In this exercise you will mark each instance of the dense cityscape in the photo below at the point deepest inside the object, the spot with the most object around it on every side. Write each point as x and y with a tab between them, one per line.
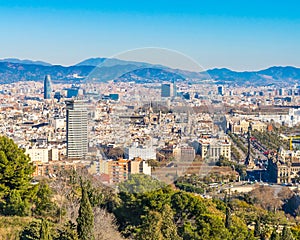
65	126
211	140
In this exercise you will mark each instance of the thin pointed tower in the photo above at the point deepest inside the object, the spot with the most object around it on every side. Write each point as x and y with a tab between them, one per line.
249	160
47	87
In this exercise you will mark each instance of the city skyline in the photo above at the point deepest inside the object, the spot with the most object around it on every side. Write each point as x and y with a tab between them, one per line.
215	34
153	119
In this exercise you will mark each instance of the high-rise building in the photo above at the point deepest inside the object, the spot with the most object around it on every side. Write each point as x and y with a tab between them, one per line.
221	90
174	89
77	137
281	92
47	87
57	96
167	90
72	92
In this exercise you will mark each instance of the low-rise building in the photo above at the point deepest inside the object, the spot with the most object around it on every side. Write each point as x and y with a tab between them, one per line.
119	170
138	165
241	126
143	152
285	167
211	149
38	154
184	154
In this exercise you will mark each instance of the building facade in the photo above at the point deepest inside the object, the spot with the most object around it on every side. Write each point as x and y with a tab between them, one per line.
77	137
143	152
212	149
38	154
285	167
118	171
184	154
167	90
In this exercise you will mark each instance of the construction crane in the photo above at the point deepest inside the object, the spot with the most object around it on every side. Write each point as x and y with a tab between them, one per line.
291	138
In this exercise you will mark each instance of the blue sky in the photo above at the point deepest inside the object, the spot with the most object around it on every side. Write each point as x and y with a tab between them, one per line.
240	35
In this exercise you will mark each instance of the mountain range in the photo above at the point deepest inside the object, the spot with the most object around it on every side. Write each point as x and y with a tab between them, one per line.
24	61
102	69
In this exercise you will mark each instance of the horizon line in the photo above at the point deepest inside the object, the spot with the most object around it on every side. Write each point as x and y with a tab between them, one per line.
35	62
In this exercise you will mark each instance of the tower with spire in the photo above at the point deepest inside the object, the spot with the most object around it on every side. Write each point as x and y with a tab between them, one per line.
249	160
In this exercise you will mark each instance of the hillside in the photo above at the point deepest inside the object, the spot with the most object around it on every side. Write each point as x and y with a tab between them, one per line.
102	69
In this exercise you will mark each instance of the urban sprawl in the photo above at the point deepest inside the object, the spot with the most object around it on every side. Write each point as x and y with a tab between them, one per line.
165	130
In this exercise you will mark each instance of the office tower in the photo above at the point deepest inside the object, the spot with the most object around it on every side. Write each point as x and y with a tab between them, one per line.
174	89
47	87
167	90
114	96
221	90
281	91
72	92
57	96
77	139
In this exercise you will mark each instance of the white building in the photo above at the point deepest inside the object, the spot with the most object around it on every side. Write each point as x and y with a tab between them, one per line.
291	119
145	153
38	154
58	123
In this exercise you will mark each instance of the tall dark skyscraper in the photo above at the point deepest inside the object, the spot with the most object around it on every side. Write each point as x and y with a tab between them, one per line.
167	90
221	90
77	138
47	87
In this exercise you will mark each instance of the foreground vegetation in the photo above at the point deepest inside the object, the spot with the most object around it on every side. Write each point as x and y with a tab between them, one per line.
77	206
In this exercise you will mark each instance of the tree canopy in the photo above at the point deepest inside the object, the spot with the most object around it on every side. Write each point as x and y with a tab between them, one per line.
16	171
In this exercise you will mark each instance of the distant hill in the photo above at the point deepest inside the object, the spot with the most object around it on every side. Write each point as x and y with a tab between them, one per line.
108	62
91	62
13	72
272	75
150	75
119	70
25	61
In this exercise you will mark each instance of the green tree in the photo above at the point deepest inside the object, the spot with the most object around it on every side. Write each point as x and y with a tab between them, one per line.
186	207
43	203
168	228
15	205
250	236
239	229
67	232
257	228
265	232
151	227
15	179
228	218
158	225
140	183
296	231
31	232
45	230
210	226
274	235
85	220
95	194
286	234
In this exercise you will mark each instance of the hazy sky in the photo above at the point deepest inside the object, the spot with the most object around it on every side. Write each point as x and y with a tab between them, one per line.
241	34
